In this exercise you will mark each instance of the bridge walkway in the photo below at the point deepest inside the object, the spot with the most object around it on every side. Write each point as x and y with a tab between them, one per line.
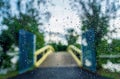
60	65
59	59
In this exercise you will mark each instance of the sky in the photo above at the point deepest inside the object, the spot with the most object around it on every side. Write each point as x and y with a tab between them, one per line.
64	17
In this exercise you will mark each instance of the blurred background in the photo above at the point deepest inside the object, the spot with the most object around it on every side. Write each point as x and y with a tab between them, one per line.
61	23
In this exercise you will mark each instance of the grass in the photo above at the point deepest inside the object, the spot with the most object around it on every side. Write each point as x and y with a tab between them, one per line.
9	74
106	73
102	72
13	73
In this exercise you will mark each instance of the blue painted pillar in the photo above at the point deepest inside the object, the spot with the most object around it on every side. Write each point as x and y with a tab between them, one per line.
27	42
88	50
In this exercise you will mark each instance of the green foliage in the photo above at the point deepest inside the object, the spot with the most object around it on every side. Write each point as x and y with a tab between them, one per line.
27	20
108	74
11	35
100	27
39	40
112	48
108	49
15	24
71	36
93	15
115	46
6	40
77	45
103	48
59	46
6	61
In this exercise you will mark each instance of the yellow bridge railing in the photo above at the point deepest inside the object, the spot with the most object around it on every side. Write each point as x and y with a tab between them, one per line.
76	54
41	54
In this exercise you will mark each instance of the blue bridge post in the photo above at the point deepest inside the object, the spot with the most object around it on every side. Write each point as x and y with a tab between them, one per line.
26	50
88	50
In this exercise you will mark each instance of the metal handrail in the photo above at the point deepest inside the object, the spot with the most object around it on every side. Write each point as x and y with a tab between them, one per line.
76	54
41	54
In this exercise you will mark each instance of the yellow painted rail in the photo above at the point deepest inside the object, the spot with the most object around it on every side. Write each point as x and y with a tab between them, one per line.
76	54
41	54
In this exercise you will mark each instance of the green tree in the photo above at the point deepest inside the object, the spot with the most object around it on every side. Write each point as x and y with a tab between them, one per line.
28	19
11	36
103	47
71	36
5	44
96	14
115	46
59	46
108	49
24	22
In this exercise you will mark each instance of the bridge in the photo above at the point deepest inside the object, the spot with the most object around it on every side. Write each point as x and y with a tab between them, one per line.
49	64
